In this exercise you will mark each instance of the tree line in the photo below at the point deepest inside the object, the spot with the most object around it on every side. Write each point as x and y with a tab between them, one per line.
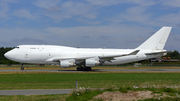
3	60
173	54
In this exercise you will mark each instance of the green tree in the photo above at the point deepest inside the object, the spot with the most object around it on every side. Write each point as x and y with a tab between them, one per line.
4	60
173	54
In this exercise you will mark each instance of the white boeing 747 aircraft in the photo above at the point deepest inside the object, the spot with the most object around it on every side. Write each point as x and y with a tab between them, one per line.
85	58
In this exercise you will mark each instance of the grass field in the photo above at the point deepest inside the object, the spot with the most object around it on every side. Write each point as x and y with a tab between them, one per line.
54	97
93	80
38	80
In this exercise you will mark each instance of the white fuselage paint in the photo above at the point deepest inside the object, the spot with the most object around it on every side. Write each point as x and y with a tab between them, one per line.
45	54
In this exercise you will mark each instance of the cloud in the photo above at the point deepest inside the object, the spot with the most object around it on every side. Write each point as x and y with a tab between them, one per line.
47	4
114	36
88	21
95	30
178	25
28	41
172	3
170	19
5	8
104	2
55	9
144	16
19	41
78	9
104	37
59	11
84	10
116	2
85	37
20	33
16	36
23	13
136	14
5	44
172	42
143	2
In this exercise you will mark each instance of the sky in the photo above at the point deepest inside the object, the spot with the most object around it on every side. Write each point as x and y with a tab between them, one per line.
122	24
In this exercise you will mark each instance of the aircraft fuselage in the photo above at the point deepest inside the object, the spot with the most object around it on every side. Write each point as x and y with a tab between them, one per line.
50	54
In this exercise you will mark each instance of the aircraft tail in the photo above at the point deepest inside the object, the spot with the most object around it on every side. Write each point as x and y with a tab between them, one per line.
158	40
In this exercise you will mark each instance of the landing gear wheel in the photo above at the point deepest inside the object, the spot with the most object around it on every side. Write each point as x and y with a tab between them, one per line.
80	69
83	68
22	68
88	69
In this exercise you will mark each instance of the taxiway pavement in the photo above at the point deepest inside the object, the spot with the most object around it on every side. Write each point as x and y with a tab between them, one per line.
35	92
98	70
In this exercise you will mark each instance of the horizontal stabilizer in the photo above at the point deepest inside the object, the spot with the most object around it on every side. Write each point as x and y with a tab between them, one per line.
154	53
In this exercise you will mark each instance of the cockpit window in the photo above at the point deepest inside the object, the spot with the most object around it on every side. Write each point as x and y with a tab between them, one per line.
17	47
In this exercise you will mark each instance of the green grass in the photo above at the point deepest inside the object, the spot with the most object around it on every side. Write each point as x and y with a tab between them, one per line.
54	97
93	80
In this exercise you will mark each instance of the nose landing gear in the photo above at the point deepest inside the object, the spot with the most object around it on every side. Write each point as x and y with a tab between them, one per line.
22	68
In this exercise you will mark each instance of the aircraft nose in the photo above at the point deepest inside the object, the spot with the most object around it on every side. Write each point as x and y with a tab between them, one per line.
6	55
9	55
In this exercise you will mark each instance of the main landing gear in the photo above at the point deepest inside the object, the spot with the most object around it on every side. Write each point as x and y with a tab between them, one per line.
22	68
81	68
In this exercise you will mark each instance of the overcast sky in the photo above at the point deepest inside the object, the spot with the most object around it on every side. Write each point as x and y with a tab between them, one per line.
87	23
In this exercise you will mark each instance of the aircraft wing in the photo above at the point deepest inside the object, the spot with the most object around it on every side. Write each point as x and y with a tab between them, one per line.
101	58
111	57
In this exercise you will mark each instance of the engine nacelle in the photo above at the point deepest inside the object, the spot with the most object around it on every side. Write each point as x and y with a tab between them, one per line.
91	62
67	63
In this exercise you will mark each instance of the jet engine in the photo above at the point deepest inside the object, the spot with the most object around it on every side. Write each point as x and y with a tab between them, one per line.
67	63
91	62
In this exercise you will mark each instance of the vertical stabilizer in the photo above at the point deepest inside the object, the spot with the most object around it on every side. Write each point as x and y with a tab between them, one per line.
158	40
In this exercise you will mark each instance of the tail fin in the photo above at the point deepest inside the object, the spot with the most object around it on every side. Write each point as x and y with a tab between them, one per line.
158	40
